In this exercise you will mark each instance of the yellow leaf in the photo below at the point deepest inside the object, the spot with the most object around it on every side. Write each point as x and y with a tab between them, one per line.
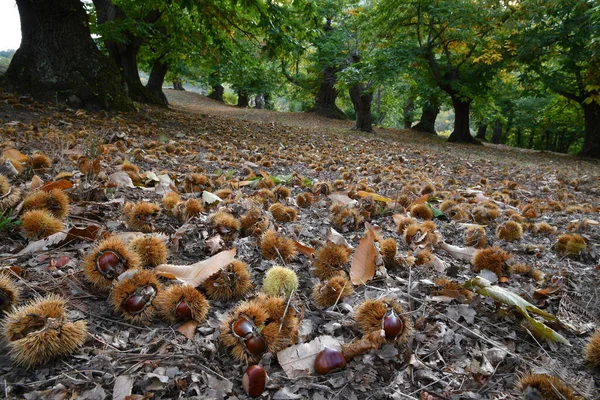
374	196
14	154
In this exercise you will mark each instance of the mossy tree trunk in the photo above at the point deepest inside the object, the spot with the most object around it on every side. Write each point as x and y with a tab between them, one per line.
58	59
362	99
217	93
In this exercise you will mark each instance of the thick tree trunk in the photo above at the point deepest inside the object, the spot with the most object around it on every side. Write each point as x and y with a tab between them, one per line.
243	99
124	54
178	84
156	80
591	141
268	102
58	59
326	96
481	132
461	132
428	116
407	112
217	93
519	136
259	101
362	100
497	134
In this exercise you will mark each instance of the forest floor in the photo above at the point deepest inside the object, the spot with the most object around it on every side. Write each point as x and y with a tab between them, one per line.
462	345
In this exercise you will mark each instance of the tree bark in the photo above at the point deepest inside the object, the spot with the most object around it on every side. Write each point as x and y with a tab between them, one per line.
497	134
58	60
481	132
243	99
591	141
259	101
124	54
178	84
362	100
156	80
407	112
428	116
461	132
326	96
217	93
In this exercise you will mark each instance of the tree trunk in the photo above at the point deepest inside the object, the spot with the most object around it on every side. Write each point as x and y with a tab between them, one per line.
531	137
481	132
461	132
497	134
268	102
178	84
326	96
156	80
259	101
362	100
591	141
217	93
243	99
58	59
407	112
124	54
519	136
428	116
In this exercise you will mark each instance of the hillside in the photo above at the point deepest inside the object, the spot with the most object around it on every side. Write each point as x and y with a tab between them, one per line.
422	218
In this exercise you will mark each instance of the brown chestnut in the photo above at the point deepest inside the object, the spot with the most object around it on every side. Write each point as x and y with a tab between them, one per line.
254	380
138	300
183	310
256	345
392	325
243	327
329	360
108	262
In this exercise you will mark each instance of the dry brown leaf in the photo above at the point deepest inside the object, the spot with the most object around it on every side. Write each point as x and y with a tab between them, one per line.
398	218
14	154
89	233
421	199
340	198
368	342
214	244
336	238
460	253
541	294
121	179
304	249
122	387
195	274
36	183
62	184
263	174
374	196
362	268
237	185
299	360
188	328
42	244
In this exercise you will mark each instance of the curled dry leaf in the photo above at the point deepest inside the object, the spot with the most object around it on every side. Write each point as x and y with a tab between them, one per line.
362	268
374	196
336	238
121	179
122	387
14	154
188	328
62	184
460	253
195	274
36	183
43	244
368	342
341	198
299	360
304	249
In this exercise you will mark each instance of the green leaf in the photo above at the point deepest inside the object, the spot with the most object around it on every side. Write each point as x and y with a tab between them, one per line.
307	182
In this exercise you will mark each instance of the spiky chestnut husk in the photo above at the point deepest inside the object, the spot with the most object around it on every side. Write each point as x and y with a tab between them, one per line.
403	223
127	166
543	229
182	303
491	258
170	200
38	332
418	234
388	249
9	195
230	283
109	259
458	213
280	281
266	183
282	192
191	208
475	237
344	219
447	204
248	316
541	386
254	223
226	225
56	202
141	216
530	211
9	294
370	316
323	188
134	297
336	289
273	245
38	224
196	183
330	260
510	231
423	256
422	211
39	161
282	213
485	212
591	351
451	288
224	194
570	245
279	330
150	250
304	200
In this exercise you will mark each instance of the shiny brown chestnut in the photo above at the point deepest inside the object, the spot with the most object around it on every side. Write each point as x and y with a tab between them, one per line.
392	325
254	380
138	300
243	327
183	310
329	360
256	345
108	263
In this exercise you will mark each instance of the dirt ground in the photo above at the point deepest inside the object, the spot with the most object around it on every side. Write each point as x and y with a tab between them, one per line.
462	345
